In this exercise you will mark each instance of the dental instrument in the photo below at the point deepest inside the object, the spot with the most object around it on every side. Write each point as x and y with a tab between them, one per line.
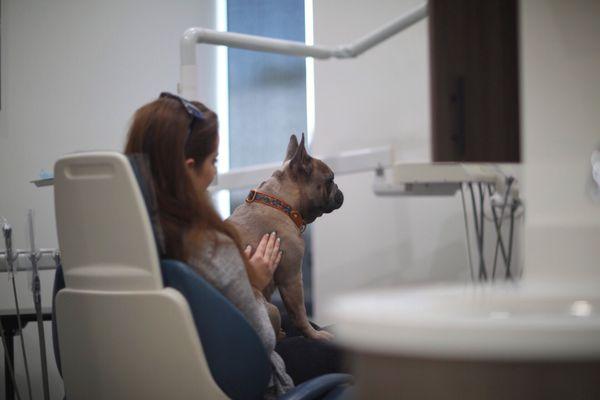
37	301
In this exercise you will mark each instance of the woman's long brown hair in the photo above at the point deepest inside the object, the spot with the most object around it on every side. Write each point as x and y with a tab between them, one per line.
158	131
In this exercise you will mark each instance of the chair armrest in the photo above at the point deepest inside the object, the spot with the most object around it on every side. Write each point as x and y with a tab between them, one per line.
317	387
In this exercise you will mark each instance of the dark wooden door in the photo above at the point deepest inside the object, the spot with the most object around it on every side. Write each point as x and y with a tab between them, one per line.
475	82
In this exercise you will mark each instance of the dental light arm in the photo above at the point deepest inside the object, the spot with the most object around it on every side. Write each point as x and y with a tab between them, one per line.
192	36
363	160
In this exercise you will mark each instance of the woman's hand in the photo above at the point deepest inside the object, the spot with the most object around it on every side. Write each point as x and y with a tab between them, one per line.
264	261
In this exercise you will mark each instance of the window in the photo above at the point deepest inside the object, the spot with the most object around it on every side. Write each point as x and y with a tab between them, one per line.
267	94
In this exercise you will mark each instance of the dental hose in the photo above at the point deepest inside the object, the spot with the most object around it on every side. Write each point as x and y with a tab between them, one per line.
478	233
9	365
468	241
7	232
498	226
513	209
37	301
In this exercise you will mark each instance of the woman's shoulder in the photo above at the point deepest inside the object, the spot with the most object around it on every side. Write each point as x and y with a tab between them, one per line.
214	248
221	245
218	260
221	238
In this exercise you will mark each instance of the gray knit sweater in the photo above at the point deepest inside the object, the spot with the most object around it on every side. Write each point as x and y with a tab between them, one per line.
224	268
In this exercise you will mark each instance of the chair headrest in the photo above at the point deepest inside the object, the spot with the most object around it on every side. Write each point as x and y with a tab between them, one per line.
104	232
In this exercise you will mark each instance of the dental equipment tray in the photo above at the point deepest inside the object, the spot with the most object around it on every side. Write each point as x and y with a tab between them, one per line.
432	179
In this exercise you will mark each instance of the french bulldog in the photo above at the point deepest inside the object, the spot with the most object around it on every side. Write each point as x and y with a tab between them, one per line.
295	195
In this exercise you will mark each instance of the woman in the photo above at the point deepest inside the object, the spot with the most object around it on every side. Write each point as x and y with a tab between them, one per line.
180	140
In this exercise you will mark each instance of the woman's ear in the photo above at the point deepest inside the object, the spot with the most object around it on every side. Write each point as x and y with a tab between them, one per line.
190	163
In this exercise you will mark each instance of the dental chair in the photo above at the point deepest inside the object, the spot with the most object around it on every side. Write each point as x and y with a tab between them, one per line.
130	326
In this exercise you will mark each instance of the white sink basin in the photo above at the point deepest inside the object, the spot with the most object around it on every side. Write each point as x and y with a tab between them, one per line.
514	322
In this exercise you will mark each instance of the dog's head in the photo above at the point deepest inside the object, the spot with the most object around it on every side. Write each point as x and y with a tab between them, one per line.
314	180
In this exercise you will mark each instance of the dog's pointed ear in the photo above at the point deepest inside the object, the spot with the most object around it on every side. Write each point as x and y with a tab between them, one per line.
301	162
292	147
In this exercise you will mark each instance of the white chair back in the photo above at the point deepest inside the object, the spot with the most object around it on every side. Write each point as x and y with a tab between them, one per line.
122	335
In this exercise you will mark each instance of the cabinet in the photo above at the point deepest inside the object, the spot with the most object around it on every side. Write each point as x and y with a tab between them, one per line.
474	80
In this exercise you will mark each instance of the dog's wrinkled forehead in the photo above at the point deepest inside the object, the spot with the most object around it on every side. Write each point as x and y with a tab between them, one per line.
322	168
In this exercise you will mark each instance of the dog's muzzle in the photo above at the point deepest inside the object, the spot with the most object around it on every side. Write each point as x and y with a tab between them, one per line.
339	199
335	201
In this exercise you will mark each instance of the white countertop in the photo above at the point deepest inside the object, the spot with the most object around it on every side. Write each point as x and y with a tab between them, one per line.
524	321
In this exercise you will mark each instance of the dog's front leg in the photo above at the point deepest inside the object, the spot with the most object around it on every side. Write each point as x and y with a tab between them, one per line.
292	293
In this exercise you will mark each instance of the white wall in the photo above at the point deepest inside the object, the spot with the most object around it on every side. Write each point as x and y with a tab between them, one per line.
73	73
382	97
561	98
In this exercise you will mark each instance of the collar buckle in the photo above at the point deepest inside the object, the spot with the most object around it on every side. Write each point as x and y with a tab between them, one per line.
251	196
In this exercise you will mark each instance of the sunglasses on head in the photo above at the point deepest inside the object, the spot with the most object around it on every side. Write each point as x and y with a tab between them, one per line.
191	110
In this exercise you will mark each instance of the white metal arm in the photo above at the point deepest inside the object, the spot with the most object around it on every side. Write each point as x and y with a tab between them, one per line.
193	36
348	162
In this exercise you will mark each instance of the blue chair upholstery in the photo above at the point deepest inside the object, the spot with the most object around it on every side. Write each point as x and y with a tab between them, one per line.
236	356
59	283
324	387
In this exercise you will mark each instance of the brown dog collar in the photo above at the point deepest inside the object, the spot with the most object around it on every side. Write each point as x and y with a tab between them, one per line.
277	203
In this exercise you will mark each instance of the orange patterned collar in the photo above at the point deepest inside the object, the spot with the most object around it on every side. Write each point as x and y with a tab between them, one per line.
277	203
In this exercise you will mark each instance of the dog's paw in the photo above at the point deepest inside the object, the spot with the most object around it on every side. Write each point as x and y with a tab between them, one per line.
319	335
281	335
